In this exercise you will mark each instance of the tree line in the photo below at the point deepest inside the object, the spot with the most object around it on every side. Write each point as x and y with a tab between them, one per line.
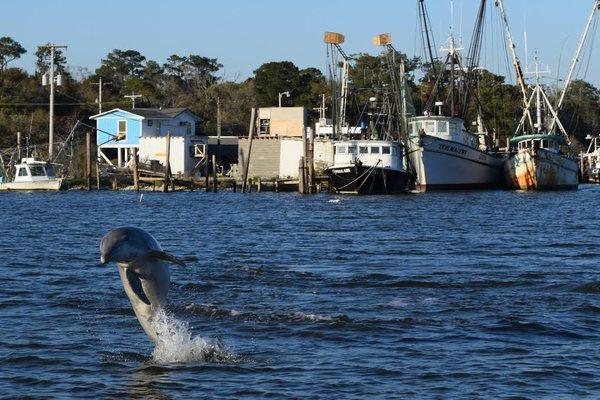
196	82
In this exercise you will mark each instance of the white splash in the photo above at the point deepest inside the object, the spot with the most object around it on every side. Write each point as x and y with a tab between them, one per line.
334	201
176	344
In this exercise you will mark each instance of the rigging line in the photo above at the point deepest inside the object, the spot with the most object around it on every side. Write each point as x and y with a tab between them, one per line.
590	47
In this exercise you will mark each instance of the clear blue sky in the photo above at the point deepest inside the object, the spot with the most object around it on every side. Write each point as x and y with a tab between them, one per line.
243	34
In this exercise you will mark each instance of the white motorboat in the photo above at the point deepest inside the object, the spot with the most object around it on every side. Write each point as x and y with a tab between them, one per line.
32	174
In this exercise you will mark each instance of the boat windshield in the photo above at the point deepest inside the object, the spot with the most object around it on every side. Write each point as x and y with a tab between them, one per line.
50	171
37	170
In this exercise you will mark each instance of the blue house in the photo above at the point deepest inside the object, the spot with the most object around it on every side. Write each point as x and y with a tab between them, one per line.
120	132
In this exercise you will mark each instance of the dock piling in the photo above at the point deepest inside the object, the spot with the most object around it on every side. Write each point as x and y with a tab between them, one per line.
250	137
136	174
88	160
301	176
214	173
167	163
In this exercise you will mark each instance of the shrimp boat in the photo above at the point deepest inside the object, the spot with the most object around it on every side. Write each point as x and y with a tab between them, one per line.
370	160
541	159
445	155
539	163
31	174
368	167
443	152
591	160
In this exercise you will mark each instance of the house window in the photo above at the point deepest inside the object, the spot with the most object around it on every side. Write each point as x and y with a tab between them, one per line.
374	149
363	149
351	149
150	122
341	149
385	150
122	129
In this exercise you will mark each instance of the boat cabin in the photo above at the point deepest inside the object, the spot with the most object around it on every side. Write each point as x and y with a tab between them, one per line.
369	152
30	170
538	141
447	128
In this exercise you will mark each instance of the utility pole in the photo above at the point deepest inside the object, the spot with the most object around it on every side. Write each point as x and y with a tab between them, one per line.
133	96
100	84
218	131
51	79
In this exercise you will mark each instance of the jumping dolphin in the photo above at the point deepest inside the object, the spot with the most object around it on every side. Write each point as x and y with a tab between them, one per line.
143	270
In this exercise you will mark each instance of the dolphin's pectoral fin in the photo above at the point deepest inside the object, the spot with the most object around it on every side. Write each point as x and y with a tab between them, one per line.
165	256
136	285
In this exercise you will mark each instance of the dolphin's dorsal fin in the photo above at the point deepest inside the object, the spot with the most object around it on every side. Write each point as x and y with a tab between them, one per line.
136	285
165	256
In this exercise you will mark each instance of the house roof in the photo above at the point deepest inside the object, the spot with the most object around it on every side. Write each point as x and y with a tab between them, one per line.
150	113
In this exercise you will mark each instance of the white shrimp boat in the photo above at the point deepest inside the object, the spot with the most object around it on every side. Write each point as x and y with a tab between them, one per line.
445	155
32	174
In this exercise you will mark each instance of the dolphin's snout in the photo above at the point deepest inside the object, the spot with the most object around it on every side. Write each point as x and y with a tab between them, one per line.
102	260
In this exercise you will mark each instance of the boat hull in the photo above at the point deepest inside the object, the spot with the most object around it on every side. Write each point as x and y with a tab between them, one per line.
445	165
364	179
540	169
51	184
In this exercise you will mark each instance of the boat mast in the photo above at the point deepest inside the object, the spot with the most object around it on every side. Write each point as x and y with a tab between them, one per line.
426	36
452	64
575	60
516	62
333	41
472	60
398	83
538	96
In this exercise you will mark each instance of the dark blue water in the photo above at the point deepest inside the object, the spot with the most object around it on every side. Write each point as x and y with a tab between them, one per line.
440	295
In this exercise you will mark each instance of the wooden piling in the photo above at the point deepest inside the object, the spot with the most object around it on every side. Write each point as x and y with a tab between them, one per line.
301	181
97	174
259	184
310	161
206	173
136	173
234	186
214	173
581	165
88	160
250	137
167	163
